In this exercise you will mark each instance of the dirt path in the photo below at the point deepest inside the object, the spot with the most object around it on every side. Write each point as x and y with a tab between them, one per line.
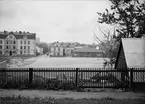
69	94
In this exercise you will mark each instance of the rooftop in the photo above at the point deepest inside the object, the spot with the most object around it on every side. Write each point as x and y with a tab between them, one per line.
134	50
87	50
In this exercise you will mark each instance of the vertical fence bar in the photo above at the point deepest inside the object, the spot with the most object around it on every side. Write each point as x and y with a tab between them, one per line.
77	69
131	79
30	76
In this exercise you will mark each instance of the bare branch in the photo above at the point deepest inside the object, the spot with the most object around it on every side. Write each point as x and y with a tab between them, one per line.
102	32
97	37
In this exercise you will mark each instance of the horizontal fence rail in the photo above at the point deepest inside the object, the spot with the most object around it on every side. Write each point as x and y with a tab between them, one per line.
63	78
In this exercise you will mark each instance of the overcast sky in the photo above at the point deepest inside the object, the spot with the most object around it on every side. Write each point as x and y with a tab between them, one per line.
64	21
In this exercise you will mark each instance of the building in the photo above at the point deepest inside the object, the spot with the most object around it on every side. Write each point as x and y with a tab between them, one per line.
131	53
69	50
57	50
87	52
17	44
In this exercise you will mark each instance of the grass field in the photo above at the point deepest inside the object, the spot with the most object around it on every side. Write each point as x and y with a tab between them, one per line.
45	62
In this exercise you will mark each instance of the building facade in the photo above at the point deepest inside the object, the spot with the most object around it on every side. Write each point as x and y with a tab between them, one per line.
56	50
87	52
17	44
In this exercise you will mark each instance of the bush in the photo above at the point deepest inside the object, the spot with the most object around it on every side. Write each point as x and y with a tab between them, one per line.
21	84
38	83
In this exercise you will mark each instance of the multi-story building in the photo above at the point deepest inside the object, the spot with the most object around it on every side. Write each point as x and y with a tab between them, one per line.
57	50
17	44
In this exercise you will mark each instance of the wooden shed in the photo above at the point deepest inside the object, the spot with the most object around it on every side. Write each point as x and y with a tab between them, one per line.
131	53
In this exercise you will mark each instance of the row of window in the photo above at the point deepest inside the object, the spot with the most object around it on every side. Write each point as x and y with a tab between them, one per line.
10	47
24	52
10	42
25	42
21	52
14	47
57	49
21	47
57	54
14	42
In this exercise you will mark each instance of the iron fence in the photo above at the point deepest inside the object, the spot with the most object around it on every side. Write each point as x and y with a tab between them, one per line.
54	78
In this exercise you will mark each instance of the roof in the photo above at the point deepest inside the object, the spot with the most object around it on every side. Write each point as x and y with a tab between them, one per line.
17	35
87	50
134	51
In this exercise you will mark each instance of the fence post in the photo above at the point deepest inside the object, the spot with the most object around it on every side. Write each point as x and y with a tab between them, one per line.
30	76
77	69
131	79
3	75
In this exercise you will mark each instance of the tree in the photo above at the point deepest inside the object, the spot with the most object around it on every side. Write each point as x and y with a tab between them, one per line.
44	46
109	45
128	16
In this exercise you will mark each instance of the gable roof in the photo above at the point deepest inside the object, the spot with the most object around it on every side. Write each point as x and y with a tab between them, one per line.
87	50
17	35
134	51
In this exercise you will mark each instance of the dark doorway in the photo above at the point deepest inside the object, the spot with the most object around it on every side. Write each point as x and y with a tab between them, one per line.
10	53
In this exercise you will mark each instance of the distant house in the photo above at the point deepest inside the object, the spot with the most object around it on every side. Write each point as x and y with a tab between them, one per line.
131	53
69	50
57	50
87	52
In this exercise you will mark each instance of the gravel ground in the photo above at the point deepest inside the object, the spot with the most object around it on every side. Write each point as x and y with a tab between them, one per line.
70	94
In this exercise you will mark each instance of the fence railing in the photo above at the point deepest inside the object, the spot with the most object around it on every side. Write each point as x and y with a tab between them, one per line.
72	77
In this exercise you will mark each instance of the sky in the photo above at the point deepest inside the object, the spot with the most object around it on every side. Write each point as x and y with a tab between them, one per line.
64	21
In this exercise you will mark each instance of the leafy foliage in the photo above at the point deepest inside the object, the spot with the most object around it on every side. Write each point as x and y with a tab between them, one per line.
44	46
128	16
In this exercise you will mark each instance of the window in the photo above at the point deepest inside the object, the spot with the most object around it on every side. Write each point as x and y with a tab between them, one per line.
24	47
21	52
1	52
7	42
1	41
14	42
28	52
56	49
24	42
28	42
0	46
21	42
14	47
28	47
11	41
21	47
7	47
